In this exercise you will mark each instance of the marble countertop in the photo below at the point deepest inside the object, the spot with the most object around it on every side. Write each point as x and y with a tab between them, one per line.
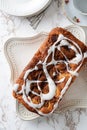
11	26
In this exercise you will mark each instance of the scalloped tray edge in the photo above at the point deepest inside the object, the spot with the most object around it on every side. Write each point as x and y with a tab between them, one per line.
70	104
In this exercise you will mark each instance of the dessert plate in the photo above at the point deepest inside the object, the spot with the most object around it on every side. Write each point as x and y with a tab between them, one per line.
23	7
73	14
19	51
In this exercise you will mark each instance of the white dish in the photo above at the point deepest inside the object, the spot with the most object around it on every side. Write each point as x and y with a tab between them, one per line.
71	12
23	7
76	96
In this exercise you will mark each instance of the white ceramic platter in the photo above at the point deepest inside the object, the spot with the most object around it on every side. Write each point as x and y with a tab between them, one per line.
23	7
71	12
19	51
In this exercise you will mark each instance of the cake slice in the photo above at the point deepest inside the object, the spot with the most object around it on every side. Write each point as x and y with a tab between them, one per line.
50	72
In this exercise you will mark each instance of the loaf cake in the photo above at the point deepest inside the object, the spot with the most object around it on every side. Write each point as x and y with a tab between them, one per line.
50	72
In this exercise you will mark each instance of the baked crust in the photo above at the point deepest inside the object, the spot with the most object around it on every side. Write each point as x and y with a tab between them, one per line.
57	72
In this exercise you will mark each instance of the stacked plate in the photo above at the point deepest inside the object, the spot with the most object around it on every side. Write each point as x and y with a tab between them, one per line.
23	7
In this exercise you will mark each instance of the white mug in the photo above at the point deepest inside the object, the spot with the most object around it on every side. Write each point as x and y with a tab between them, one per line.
81	6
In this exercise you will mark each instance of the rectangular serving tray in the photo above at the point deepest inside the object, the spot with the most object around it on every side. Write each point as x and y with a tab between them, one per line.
19	51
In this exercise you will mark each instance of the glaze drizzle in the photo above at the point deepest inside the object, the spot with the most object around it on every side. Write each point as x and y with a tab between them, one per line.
78	60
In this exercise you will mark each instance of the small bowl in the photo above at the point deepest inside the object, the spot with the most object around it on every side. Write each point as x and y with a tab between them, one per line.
81	6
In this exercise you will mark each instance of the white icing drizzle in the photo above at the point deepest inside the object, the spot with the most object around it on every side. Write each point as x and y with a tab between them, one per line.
54	74
15	87
66	87
51	84
29	71
78	59
60	81
85	54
